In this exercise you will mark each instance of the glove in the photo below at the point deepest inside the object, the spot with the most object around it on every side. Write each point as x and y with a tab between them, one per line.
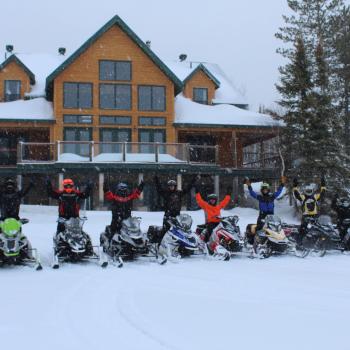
283	180
247	181
140	186
323	181
229	190
295	182
105	187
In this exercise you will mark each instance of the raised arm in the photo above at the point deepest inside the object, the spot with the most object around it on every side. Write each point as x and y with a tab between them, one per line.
296	191
202	203
50	191
24	192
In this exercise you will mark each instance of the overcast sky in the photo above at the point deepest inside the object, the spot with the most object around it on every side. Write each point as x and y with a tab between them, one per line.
237	34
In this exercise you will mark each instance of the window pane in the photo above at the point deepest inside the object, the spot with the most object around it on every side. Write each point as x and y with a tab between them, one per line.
123	135
115	120
158	121
107	96
85	119
145	98
145	136
107	70
69	135
123	97
123	120
106	136
12	90
123	71
70	118
145	121
83	134
158	98
200	95
70	95
85	96
159	136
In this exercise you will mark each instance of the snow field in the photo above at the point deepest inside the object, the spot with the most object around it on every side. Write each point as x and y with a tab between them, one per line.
278	303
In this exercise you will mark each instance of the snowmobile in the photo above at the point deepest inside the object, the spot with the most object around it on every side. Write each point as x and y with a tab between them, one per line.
270	240
179	241
225	240
129	243
321	235
74	245
15	249
344	231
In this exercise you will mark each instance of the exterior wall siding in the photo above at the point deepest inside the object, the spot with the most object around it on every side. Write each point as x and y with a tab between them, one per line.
113	45
200	80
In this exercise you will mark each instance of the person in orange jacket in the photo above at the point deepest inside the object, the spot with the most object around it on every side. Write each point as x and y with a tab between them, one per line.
212	210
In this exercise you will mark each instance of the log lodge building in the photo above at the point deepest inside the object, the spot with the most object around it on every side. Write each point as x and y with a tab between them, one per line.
114	110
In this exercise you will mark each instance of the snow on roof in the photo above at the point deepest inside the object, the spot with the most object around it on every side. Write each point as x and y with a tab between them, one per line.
37	108
42	65
189	112
226	93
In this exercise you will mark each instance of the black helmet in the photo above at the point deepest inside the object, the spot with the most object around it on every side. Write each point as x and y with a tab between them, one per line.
265	186
212	197
172	183
122	189
10	185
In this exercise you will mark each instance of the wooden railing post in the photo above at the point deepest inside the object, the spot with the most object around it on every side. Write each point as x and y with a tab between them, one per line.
20	152
91	150
124	145
157	152
58	150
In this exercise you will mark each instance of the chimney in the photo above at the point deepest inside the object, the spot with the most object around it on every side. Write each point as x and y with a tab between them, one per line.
9	48
62	51
148	43
182	57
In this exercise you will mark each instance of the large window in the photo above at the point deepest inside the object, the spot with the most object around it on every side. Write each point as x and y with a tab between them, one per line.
114	135
77	119
200	95
115	70
77	134
150	136
115	96
114	120
77	95
151	98
152	121
12	90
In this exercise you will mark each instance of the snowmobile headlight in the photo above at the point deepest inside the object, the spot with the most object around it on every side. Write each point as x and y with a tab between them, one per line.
309	226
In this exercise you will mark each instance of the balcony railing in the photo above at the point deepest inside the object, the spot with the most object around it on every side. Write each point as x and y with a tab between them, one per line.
115	152
260	160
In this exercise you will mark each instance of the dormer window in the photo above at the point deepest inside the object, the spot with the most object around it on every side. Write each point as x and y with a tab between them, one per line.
200	95
12	90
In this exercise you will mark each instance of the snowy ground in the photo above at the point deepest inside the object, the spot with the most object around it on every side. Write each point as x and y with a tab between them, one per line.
278	303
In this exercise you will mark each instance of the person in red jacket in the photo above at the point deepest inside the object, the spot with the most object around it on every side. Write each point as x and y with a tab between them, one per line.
68	199
212	210
121	202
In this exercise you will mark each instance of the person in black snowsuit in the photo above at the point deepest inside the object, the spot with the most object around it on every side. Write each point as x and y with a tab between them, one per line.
121	201
10	199
341	205
172	199
68	199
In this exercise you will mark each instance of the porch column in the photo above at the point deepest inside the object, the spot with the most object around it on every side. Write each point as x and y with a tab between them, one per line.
234	150
217	185
141	179
60	180
179	182
19	182
101	180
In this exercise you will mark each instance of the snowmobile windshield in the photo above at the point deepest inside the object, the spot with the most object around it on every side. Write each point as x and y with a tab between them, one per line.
274	223
10	227
185	221
74	225
324	220
132	224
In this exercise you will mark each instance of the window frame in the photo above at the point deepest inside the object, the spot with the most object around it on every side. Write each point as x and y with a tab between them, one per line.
78	95
78	118
152	108
207	93
114	99
6	99
152	131
152	119
115	63
114	117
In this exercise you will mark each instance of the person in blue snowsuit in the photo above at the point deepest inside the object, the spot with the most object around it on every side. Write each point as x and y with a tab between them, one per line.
266	200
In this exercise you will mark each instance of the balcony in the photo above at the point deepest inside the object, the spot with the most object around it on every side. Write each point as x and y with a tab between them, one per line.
115	152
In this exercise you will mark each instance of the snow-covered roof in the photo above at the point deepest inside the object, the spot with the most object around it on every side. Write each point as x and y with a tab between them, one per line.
189	112
35	109
41	65
226	93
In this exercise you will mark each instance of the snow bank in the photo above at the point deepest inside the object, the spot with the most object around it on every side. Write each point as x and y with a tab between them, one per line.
38	108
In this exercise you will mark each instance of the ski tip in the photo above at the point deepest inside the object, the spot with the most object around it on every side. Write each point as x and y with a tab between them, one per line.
39	267
55	267
104	264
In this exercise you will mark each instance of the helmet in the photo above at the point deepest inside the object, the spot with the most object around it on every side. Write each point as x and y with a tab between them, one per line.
212	198
68	185
10	185
172	183
122	189
308	190
265	186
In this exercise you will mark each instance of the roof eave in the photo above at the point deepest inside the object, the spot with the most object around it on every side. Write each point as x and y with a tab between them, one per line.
14	58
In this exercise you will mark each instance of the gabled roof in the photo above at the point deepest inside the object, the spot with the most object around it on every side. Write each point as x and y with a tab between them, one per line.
15	59
206	71
116	20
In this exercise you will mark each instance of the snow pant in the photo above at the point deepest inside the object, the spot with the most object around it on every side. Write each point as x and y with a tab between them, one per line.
115	226
260	223
209	230
303	228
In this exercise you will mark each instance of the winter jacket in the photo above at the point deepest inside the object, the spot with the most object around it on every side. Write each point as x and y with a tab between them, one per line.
172	200
266	201
10	202
68	202
212	211
342	213
121	206
309	204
